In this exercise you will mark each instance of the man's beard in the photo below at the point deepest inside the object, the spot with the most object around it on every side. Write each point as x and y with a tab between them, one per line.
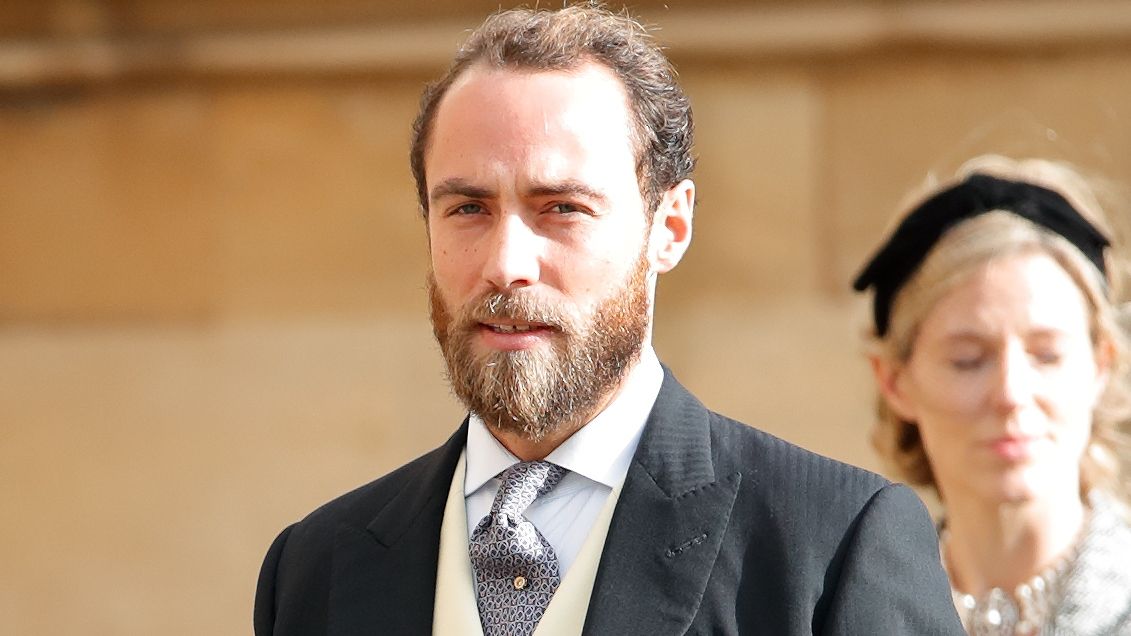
542	390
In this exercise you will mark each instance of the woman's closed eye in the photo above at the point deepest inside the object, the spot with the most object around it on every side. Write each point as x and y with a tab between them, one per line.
1047	357
967	363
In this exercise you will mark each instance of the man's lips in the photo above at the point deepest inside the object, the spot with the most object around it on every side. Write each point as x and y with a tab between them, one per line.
518	327
514	336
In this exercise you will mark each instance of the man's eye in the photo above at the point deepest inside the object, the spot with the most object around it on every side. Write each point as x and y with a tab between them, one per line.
566	208
468	208
1047	357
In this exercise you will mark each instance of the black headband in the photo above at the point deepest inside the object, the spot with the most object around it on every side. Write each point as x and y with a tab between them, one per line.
898	259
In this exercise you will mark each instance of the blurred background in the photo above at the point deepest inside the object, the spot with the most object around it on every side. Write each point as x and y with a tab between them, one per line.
212	309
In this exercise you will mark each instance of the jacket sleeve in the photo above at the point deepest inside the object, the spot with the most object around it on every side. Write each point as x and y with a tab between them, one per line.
892	581
264	612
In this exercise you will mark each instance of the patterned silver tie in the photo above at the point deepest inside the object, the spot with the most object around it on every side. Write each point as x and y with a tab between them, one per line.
516	570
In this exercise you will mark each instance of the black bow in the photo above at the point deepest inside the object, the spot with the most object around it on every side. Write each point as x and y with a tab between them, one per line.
902	254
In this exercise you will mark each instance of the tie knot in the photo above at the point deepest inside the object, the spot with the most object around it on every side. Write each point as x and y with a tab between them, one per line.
522	484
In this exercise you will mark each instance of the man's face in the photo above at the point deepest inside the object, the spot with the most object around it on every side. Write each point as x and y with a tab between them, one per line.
540	278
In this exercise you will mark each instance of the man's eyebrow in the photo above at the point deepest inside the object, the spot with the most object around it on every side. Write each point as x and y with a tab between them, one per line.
458	187
571	188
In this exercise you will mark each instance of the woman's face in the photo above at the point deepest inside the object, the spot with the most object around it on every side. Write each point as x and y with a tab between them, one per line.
1002	381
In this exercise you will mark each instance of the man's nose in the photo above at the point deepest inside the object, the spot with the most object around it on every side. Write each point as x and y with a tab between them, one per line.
514	257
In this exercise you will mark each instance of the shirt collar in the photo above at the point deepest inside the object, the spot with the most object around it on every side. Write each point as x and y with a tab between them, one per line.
600	451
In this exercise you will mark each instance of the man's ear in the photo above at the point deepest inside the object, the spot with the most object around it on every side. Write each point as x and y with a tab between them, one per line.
671	227
890	380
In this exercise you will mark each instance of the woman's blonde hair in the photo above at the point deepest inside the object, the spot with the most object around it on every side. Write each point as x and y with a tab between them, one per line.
971	244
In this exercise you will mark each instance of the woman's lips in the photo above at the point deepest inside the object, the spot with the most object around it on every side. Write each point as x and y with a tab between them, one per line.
1014	448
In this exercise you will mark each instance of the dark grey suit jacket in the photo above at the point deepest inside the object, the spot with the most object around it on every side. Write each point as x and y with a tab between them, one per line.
719	529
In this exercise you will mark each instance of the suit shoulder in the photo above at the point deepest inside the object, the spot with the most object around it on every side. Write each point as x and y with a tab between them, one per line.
808	505
360	505
788	469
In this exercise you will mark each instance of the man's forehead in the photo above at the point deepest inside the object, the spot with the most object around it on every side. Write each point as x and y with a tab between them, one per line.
494	109
514	86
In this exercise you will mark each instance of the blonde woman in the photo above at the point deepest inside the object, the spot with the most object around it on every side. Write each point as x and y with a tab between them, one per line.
1001	369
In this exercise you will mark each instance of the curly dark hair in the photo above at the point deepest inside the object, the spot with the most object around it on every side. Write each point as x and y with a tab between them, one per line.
563	39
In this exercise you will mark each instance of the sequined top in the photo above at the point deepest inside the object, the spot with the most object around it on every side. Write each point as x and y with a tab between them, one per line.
1097	590
1092	597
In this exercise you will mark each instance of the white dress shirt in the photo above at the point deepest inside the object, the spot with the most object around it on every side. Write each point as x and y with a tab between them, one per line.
597	458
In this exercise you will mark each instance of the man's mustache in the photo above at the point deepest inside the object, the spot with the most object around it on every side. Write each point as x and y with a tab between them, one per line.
519	306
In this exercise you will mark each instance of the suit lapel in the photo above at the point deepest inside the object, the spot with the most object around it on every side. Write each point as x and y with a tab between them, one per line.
384	576
668	524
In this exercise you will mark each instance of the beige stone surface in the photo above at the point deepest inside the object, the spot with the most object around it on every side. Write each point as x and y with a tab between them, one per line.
317	206
144	470
757	136
928	114
108	210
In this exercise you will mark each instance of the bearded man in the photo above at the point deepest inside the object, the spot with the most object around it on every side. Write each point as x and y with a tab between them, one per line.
587	491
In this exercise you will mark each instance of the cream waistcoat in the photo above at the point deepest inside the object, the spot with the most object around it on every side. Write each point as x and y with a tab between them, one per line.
456	613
